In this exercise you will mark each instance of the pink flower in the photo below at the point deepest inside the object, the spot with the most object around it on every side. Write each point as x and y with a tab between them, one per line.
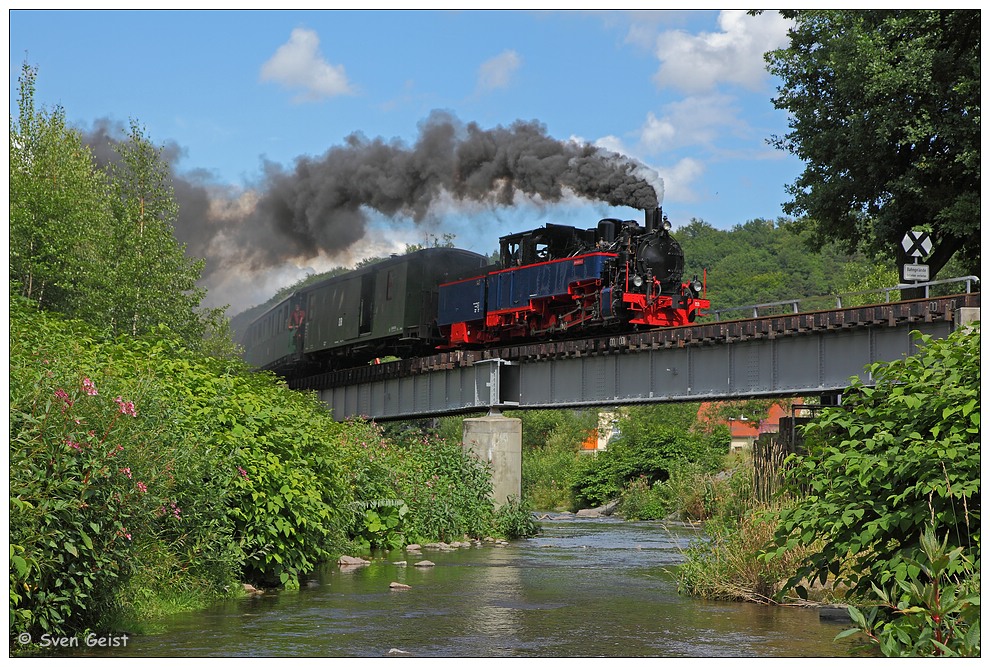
126	471
60	393
126	407
243	472
142	487
164	510
89	387
70	443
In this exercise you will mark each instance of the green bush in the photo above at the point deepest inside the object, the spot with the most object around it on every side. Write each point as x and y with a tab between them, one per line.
932	613
100	478
79	494
642	501
546	477
288	489
551	447
380	524
653	447
515	519
724	565
448	494
138	456
897	460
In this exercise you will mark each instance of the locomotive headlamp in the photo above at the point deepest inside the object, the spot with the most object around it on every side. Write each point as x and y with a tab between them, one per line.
638	280
665	223
697	286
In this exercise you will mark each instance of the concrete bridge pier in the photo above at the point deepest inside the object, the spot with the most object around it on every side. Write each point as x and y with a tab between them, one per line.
497	441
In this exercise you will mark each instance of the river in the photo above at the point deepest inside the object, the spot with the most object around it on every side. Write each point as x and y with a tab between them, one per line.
584	587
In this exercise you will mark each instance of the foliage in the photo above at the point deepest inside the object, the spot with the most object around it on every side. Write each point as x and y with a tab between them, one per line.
724	564
100	479
895	460
380	524
551	448
932	613
867	278
885	114
288	482
642	501
150	281
655	442
762	261
139	456
547	473
58	209
600	478
80	495
515	519
99	246
447	493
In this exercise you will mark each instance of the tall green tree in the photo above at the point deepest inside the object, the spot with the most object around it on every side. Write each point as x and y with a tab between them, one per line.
885	112
154	282
59	212
98	245
761	261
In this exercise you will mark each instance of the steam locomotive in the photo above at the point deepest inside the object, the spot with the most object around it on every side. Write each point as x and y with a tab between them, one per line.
553	282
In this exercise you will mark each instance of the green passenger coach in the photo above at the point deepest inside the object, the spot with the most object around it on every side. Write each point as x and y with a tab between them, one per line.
386	308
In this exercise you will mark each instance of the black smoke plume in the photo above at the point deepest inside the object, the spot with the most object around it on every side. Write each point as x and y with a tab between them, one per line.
319	207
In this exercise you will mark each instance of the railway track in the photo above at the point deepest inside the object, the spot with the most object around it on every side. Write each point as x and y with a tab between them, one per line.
930	309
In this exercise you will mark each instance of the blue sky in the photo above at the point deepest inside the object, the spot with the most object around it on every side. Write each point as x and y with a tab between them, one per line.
683	92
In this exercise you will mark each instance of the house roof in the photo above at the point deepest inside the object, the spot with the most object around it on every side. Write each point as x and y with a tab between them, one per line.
746	428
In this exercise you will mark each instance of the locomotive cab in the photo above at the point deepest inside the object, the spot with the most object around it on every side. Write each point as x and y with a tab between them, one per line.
544	245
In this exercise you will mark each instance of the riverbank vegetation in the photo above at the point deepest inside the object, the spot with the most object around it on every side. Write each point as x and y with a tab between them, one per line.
882	510
146	477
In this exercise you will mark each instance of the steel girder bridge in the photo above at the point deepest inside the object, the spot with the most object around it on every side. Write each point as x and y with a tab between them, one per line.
793	354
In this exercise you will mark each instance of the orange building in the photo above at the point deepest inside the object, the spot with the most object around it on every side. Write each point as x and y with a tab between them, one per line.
743	432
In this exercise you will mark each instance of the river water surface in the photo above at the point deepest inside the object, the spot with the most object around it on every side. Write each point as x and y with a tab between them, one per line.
584	587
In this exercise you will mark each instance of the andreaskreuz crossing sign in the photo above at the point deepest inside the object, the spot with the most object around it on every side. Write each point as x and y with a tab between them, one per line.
917	244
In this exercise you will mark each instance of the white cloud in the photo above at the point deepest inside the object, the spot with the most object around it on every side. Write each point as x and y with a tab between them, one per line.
697	120
658	133
697	63
299	64
497	72
679	180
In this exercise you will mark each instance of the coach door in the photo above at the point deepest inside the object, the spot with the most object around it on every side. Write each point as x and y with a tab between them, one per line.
367	307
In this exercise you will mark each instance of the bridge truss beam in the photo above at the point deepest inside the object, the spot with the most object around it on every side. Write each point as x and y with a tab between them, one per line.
804	355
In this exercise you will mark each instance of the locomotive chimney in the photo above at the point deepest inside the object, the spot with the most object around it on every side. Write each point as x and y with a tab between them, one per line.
653	219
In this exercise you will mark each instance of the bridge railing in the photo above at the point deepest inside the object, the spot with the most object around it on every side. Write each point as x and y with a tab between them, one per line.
806	304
